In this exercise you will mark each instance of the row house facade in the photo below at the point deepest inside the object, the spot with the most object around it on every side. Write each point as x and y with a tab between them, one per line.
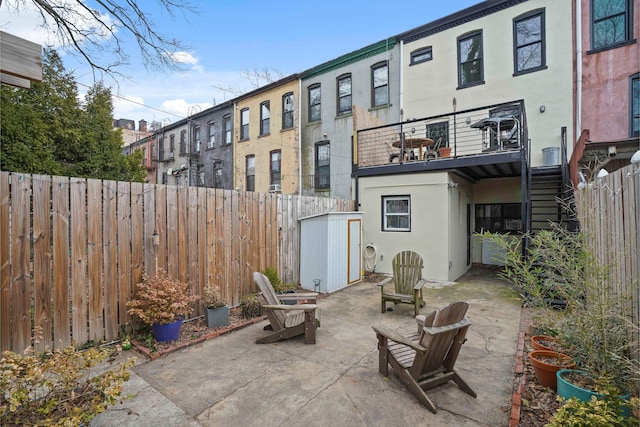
487	102
266	154
607	86
358	89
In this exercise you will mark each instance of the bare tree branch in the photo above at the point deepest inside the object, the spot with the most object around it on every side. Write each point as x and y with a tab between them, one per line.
98	34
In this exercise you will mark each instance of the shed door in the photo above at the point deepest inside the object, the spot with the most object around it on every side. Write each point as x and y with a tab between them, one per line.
355	269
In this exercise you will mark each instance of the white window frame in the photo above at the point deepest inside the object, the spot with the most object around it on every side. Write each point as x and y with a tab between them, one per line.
386	214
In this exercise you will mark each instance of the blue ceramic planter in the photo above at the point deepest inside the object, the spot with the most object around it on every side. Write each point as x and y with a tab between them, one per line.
566	390
168	332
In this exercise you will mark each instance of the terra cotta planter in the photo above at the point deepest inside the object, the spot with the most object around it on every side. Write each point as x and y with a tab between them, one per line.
538	342
547	363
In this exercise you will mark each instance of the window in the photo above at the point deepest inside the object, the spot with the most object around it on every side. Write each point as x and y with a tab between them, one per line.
498	218
396	213
196	139
211	126
470	70
244	124
251	173
610	23
287	111
265	118
634	108
227	129
275	167
164	178
438	131
172	142
183	142
529	42
421	55
217	174
200	177
380	84
344	95
314	102
322	172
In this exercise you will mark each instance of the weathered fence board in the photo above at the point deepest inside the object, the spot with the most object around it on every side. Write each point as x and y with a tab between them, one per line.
73	249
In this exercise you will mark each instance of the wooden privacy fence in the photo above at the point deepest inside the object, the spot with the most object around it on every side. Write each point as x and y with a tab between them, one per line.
72	249
609	213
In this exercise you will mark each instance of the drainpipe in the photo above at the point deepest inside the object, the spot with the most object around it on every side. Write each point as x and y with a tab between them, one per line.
300	137
578	68
401	78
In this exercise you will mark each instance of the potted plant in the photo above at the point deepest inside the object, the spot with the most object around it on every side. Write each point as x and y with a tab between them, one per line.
216	311
546	363
161	302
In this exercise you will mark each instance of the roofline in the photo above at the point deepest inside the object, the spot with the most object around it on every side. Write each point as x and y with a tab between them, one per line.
350	58
463	16
269	86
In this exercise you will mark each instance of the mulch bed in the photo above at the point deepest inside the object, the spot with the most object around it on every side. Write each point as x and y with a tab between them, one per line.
195	331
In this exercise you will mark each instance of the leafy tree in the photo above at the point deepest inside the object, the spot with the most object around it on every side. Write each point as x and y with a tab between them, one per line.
45	129
98	32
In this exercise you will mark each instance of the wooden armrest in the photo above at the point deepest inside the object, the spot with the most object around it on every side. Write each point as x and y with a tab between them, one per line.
298	296
434	330
305	307
419	285
394	336
385	281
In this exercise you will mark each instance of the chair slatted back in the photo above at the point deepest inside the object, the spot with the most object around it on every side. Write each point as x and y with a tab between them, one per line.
277	318
443	348
407	271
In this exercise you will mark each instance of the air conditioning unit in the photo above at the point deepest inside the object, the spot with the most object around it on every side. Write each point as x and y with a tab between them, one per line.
170	171
275	188
170	156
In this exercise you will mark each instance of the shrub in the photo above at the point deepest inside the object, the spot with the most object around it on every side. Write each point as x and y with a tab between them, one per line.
161	299
212	297
274	278
251	307
56	388
594	413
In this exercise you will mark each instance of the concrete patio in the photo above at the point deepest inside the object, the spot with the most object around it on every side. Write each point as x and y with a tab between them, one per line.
231	381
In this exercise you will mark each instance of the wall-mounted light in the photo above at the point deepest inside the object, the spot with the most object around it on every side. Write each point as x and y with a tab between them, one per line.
543	108
468	121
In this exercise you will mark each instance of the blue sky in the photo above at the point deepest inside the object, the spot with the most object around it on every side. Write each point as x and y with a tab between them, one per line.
228	38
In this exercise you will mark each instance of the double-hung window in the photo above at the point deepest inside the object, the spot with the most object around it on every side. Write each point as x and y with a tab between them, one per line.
634	107
344	95
217	174
196	139
396	213
275	167
244	124
380	84
265	118
439	132
226	120
470	67
610	23
251	173
183	143
287	110
529	42
211	140
322	172
314	102
172	143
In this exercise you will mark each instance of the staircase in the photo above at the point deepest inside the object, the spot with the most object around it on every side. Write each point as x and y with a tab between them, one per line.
547	188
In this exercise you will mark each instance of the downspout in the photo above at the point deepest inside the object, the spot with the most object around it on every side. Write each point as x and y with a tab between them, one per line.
299	136
401	79
578	68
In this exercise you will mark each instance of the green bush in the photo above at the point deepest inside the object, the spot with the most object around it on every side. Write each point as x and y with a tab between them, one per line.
594	413
57	388
274	278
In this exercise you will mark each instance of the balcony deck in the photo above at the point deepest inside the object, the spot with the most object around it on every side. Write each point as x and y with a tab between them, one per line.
481	143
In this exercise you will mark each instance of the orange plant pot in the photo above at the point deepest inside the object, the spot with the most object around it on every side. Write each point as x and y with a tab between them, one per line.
445	151
546	363
538	342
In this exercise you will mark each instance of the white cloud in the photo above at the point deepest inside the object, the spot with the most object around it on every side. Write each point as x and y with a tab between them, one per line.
183	108
123	106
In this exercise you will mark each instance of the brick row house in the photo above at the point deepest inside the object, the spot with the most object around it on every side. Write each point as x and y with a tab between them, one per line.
463	125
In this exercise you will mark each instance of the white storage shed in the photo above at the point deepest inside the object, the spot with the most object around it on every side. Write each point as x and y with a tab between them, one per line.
330	251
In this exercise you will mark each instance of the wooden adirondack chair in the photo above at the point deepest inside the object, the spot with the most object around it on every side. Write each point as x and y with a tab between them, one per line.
425	359
287	321
407	279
